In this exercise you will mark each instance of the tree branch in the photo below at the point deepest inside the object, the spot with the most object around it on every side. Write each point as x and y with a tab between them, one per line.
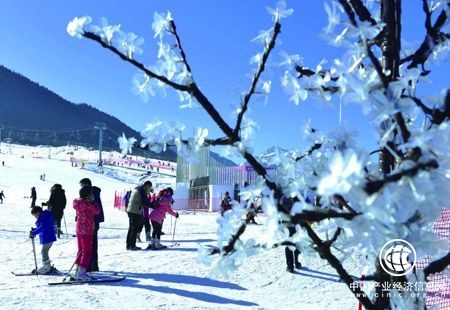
316	146
180	48
94	37
433	37
325	253
438	265
262	65
362	12
437	116
375	186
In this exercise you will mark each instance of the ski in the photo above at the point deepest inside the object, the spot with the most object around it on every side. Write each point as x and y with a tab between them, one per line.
173	244
99	280
18	274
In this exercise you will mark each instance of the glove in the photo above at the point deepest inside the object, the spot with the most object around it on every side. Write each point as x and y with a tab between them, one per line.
177	215
31	234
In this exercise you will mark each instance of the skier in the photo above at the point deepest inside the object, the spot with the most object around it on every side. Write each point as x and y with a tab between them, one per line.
56	203
44	228
86	210
33	197
225	204
292	256
250	216
2	195
157	215
100	218
138	198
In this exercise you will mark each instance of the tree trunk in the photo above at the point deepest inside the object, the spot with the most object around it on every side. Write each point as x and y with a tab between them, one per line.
390	47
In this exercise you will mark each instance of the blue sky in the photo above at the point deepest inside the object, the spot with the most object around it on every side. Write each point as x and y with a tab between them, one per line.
216	36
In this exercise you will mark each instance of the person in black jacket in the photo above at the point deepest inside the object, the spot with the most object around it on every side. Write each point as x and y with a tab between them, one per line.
57	203
100	218
33	197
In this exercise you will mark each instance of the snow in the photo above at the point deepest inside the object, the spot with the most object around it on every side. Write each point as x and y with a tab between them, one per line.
166	279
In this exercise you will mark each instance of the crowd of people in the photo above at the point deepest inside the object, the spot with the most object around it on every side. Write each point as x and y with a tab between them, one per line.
143	207
89	215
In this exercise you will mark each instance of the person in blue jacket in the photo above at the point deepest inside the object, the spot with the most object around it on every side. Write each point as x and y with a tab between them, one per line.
100	218
45	230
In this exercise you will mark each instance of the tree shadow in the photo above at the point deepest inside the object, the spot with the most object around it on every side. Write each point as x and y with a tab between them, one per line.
304	274
187	279
201	296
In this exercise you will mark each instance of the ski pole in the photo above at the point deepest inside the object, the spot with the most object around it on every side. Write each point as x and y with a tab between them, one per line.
173	235
68	273
34	253
65	224
170	230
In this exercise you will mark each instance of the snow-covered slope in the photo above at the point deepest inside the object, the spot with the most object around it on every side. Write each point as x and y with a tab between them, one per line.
166	279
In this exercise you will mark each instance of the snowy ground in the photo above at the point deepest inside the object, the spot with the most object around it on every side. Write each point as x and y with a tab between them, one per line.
166	279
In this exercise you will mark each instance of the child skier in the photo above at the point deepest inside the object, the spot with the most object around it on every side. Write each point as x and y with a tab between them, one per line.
157	215
44	228
86	210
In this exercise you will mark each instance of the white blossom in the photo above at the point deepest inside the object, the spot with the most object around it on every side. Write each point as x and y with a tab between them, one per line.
75	28
161	23
105	31
129	43
346	171
280	11
126	145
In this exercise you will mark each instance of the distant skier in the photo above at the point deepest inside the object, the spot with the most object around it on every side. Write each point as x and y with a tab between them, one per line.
44	228
56	203
86	211
157	215
33	197
250	216
2	195
99	218
225	204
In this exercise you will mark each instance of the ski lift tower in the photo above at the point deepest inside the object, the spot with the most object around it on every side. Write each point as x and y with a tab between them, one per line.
100	127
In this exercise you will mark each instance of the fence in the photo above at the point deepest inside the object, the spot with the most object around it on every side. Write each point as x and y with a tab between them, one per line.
438	286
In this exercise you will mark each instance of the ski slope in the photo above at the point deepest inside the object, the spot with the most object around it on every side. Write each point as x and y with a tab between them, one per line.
165	279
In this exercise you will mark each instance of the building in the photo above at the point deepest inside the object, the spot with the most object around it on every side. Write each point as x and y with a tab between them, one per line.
201	185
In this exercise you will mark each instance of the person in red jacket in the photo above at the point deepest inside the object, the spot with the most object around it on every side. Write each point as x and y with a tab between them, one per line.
86	210
165	201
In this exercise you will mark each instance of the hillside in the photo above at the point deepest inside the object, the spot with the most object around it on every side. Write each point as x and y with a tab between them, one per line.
32	114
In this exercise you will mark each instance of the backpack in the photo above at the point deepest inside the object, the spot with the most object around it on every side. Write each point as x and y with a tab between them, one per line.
126	199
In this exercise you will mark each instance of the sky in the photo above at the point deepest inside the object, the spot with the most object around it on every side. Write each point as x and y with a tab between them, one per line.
216	36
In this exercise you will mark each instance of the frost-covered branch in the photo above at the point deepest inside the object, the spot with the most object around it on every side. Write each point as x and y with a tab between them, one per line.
362	12
374	186
325	253
177	38
151	74
438	265
433	37
256	77
437	116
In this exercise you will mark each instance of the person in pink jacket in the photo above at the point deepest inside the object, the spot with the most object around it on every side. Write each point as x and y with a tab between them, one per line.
157	215
86	210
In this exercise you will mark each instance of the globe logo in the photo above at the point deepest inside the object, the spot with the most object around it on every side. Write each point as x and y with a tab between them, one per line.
397	257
